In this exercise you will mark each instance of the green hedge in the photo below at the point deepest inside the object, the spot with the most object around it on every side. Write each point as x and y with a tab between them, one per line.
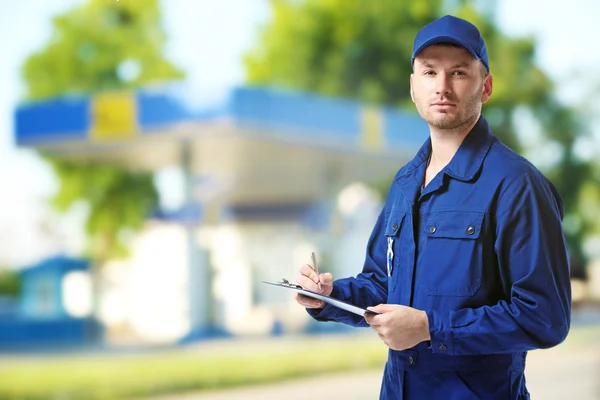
10	283
118	376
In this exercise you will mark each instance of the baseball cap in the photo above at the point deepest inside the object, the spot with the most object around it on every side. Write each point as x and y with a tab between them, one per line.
453	30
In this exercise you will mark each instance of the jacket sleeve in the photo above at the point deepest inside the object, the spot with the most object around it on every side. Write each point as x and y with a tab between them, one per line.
368	288
534	267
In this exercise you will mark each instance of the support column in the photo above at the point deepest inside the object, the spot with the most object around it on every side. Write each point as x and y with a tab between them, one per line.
199	273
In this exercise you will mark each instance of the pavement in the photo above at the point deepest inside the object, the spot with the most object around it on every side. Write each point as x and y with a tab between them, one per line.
354	386
568	371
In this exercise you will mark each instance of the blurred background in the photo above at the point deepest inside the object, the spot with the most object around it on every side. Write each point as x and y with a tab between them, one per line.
159	159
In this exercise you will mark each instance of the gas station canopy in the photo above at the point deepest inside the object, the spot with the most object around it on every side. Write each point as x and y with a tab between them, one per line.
259	138
272	156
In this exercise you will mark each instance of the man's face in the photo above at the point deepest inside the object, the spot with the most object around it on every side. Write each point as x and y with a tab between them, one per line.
448	86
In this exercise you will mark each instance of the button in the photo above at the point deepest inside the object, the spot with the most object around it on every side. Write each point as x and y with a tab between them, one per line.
411	360
442	347
395	227
470	230
432	229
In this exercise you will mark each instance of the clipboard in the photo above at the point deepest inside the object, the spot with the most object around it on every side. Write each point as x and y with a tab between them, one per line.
327	299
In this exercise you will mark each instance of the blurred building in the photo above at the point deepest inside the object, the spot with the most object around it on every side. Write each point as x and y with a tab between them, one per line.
265	179
53	307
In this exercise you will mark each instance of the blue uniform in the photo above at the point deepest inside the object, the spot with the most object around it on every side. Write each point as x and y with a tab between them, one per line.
481	250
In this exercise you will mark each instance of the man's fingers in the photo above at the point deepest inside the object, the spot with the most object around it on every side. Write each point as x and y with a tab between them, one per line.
383	308
308	271
306	282
308	302
326	279
308	278
370	318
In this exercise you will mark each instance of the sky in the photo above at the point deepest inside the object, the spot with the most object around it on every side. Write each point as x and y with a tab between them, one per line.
207	39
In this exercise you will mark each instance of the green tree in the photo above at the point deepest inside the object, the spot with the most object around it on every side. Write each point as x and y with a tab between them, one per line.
361	49
10	283
574	177
102	46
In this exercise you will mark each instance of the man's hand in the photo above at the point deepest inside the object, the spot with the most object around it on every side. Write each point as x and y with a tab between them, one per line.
399	327
308	279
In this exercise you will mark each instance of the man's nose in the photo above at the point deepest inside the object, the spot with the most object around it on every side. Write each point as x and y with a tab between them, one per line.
443	86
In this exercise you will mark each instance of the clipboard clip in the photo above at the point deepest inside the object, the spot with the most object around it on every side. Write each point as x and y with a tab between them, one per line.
285	282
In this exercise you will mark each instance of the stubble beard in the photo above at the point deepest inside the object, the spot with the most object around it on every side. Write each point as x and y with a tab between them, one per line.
442	121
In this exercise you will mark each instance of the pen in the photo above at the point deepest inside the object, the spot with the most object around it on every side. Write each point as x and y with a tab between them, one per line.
314	262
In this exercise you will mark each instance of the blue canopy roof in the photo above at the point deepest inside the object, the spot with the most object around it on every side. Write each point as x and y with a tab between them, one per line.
130	115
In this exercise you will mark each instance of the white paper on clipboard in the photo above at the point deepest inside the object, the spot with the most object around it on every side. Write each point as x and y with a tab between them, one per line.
327	299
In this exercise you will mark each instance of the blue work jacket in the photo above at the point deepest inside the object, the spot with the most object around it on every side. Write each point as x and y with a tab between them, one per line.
481	250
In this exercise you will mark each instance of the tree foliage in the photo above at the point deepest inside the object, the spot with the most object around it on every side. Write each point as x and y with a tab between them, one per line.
102	46
361	49
119	202
10	283
573	177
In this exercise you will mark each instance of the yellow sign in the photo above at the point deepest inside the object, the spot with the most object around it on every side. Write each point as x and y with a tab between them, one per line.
372	128
114	116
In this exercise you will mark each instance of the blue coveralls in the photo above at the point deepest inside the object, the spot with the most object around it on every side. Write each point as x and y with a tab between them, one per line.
482	251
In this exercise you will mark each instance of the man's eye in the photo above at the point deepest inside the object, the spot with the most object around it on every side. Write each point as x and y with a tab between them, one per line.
429	72
459	73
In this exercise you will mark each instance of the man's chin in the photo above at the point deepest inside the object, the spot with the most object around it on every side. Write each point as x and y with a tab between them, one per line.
444	121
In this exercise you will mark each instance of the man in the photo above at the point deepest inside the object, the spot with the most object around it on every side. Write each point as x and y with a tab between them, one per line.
467	264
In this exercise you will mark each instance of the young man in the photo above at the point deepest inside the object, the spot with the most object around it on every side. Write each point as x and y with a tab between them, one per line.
467	263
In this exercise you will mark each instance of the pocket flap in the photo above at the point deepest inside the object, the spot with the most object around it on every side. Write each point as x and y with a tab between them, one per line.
394	223
454	224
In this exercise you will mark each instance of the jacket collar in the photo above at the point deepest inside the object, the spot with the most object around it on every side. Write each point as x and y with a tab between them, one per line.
464	166
467	161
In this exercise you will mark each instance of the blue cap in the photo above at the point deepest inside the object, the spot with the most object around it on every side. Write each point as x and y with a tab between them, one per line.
453	30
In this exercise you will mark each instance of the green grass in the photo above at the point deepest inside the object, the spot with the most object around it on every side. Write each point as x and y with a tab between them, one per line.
118	377
202	368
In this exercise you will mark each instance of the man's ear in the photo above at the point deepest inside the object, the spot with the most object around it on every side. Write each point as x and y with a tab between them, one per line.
412	95
486	93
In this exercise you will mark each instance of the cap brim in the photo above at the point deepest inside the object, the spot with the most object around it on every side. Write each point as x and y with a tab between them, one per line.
442	40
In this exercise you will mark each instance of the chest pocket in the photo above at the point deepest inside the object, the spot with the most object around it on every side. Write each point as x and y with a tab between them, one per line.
452	257
393	231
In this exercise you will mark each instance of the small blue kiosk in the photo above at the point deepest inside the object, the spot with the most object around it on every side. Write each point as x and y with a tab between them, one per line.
40	317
